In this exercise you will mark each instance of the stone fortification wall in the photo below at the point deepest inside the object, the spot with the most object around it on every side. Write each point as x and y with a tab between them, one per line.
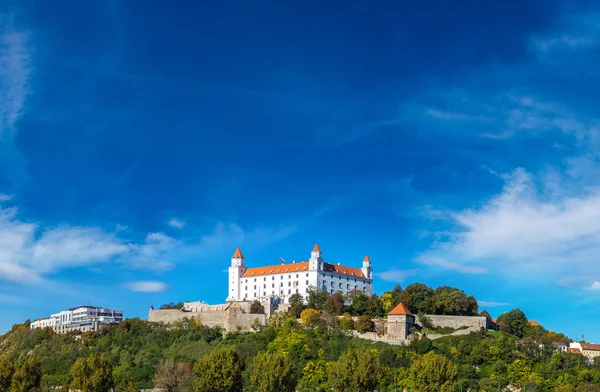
231	317
376	338
459	321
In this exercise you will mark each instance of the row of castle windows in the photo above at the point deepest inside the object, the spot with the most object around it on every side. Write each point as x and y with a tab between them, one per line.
273	293
273	285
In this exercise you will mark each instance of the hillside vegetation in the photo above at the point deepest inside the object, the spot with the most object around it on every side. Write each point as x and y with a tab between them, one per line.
287	356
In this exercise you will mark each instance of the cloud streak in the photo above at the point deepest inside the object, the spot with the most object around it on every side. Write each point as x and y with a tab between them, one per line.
450	265
397	275
15	73
147	286
490	304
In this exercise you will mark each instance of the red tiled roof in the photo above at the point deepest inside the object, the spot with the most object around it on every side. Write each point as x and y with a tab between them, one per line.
238	254
574	350
534	323
340	269
276	269
589	346
400	309
316	248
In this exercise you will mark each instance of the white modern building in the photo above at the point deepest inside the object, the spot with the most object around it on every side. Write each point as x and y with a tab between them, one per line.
81	318
282	281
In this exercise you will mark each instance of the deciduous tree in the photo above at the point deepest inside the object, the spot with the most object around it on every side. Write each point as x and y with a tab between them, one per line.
356	370
219	371
310	317
173	376
92	374
433	373
273	372
27	375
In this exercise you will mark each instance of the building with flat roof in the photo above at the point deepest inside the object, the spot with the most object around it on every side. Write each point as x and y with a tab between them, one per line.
284	280
81	318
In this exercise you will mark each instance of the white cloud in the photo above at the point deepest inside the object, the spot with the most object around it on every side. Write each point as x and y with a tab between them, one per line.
15	70
490	304
396	275
175	223
449	265
147	286
595	285
5	197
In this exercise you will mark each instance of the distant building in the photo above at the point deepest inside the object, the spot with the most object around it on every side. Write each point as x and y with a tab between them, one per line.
284	280
589	350
399	322
81	318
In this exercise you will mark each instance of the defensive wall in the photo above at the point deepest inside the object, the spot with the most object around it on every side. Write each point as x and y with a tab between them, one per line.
456	322
232	317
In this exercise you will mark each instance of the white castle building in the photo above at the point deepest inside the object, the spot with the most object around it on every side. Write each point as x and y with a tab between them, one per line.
82	318
282	281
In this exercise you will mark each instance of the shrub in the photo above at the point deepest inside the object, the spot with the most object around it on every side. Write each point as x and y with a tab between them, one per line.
346	321
363	324
310	317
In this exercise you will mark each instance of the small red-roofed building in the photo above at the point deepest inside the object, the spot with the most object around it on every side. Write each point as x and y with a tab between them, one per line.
400	321
534	323
589	350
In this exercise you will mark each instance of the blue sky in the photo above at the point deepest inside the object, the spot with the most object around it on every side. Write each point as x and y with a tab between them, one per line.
456	143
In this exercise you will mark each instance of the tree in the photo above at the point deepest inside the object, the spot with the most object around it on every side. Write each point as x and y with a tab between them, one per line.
453	301
273	372
92	374
27	375
359	304
172	305
6	372
257	308
356	370
513	322
363	324
336	303
310	317
418	298
374	307
172	376
296	300
346	321
433	373
219	371
318	299
518	373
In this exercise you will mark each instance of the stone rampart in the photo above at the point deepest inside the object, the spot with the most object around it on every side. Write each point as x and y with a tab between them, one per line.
456	322
231	317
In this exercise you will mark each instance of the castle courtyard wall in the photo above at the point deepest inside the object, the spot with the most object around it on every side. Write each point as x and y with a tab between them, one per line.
459	321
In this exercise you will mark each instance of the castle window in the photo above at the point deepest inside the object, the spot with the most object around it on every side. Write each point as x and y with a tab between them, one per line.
348	287
307	282
255	279
273	285
296	275
296	291
324	283
307	289
273	278
264	286
281	275
289	284
307	275
254	287
265	279
262	273
289	291
341	285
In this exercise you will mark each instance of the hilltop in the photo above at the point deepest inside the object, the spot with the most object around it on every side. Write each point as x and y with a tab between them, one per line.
315	355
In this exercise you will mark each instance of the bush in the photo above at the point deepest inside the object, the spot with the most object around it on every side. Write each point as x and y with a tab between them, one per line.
363	324
257	308
310	317
346	322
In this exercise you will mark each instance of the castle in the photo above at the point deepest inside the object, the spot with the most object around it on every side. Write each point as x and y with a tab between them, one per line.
282	281
272	286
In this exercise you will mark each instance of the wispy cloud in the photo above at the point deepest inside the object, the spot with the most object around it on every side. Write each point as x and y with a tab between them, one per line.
397	275
175	223
15	72
5	197
450	265
147	286
490	304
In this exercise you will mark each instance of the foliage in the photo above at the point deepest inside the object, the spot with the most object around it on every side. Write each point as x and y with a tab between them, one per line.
172	376
172	305
219	371
432	373
296	300
310	317
363	324
27	375
273	372
6	372
318	299
346	322
356	370
336	303
257	308
92	374
513	322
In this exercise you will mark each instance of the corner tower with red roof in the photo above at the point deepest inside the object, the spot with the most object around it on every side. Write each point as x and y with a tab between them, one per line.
400	321
281	281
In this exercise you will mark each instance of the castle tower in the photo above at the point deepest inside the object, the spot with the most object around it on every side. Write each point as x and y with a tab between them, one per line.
400	321
366	269
316	259
236	270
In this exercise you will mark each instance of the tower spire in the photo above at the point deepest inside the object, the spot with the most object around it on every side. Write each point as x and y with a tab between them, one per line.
238	254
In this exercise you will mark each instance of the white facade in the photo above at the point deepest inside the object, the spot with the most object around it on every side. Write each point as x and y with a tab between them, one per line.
282	281
82	318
